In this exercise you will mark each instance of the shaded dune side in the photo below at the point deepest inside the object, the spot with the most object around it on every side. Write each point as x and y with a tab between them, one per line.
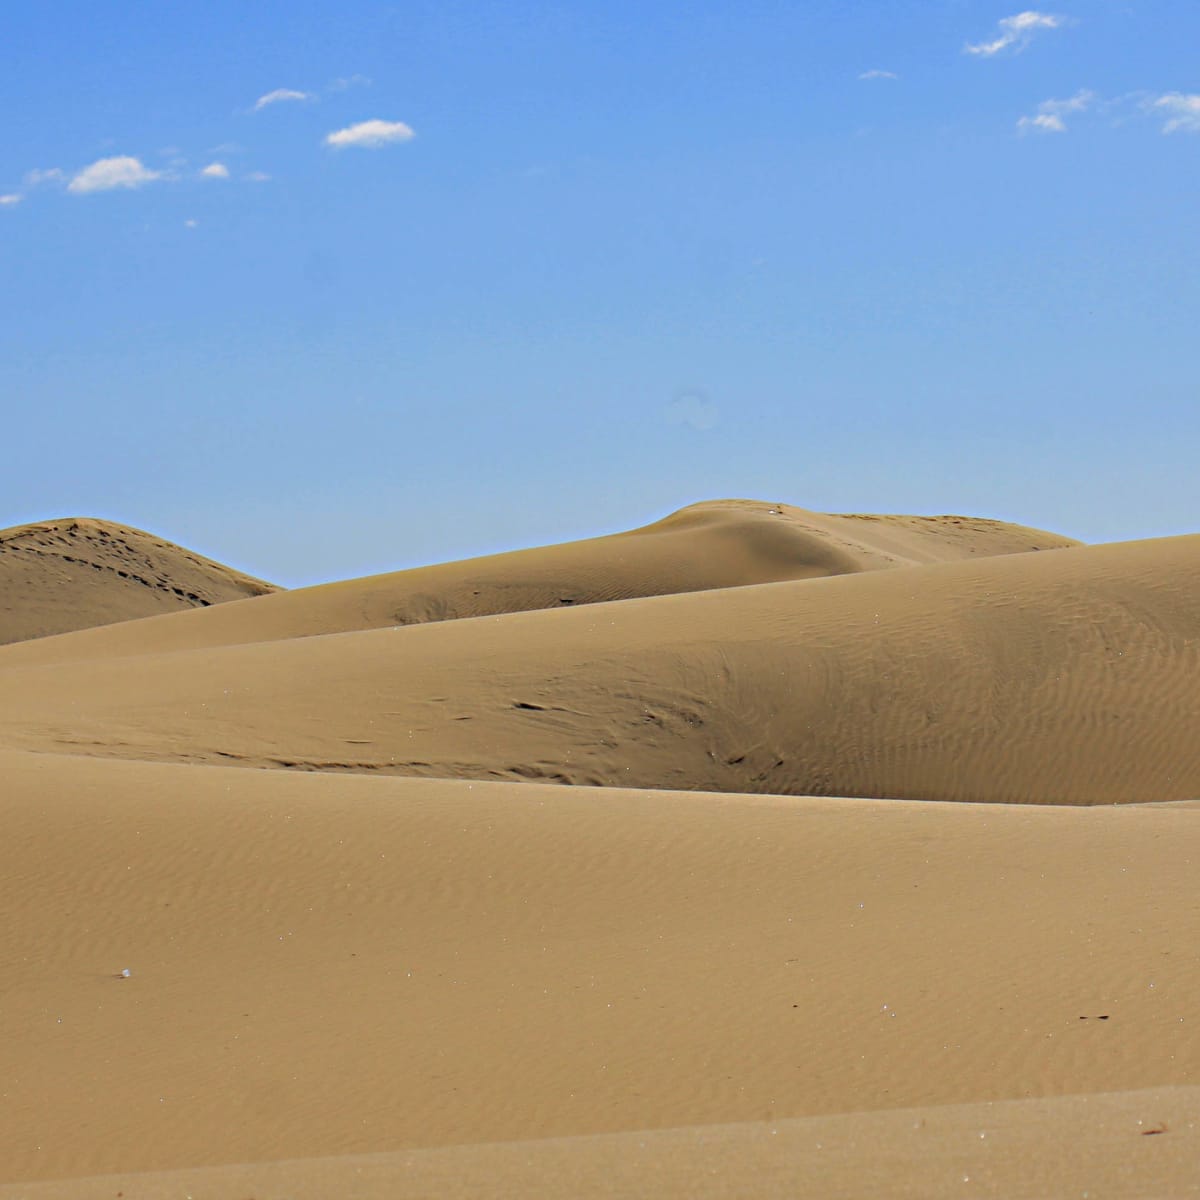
75	573
718	544
1071	678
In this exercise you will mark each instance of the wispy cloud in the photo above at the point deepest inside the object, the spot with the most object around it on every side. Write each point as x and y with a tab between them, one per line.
215	170
1015	33
10	199
39	176
1050	113
1042	123
369	134
121	171
281	96
1181	109
191	223
257	176
349	81
875	73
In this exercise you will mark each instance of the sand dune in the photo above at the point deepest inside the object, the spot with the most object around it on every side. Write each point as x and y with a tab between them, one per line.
719	544
75	573
785	949
1064	677
331	966
1119	1145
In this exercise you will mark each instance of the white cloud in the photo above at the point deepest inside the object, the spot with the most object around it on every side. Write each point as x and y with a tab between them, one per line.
10	199
215	170
191	223
38	176
370	134
1181	109
1050	113
349	81
1043	123
280	95
258	177
1015	33
122	171
877	74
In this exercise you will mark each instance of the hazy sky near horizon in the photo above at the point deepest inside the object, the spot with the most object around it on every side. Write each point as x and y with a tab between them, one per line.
325	289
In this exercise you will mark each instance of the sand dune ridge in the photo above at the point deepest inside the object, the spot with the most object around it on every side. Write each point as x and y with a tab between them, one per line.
77	572
1063	677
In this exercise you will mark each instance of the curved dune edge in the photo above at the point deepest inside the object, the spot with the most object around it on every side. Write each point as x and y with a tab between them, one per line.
1117	1145
77	572
717	544
341	965
1071	677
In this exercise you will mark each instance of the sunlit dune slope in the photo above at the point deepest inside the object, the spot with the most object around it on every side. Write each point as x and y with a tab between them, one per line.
1070	677
75	573
1119	1145
332	965
712	545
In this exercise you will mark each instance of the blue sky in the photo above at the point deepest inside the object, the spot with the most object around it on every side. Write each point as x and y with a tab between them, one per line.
594	262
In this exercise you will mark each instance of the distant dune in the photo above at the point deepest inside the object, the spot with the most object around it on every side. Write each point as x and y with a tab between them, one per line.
720	544
754	853
75	573
1069	677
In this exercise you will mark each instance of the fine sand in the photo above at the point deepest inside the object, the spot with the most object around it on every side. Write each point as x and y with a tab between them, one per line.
871	882
57	576
720	544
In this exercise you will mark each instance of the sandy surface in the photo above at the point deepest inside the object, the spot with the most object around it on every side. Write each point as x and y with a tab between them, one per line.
1069	676
719	544
75	573
1112	1145
375	954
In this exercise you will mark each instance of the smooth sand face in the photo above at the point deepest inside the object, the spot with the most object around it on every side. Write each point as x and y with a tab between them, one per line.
348	982
332	965
75	573
1103	1144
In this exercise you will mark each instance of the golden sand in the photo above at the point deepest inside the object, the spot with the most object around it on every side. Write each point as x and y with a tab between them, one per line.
875	876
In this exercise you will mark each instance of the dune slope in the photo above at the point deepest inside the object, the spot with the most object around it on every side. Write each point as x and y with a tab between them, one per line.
331	965
1119	1145
75	573
391	961
1064	677
719	544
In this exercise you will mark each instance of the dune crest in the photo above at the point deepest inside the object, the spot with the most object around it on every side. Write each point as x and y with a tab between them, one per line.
75	573
1063	678
716	544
